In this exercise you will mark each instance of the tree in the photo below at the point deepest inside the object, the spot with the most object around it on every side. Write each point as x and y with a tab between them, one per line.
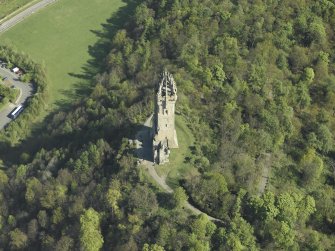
264	207
308	75
239	236
57	215
203	228
143	200
152	247
180	197
321	67
325	138
282	234
33	190
317	31
208	190
306	208
113	196
311	166
195	244
233	243
43	218
144	17
64	244
18	239
303	97
90	233
315	241
298	58
288	208
3	179
219	76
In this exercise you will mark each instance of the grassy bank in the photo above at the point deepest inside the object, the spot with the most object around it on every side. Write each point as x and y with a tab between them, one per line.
177	167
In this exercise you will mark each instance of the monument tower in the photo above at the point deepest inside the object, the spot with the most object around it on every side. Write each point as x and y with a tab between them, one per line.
165	136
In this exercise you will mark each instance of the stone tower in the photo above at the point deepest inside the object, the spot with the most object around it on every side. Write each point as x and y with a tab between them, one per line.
165	136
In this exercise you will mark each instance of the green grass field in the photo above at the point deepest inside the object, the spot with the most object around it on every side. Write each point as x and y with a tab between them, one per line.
177	168
9	6
59	36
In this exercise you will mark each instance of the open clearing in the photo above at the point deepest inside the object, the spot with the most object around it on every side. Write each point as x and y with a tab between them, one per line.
59	36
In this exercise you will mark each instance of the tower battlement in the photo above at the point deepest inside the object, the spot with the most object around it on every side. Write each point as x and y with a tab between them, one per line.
167	87
165	136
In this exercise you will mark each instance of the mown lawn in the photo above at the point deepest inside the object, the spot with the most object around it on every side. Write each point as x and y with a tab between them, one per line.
177	167
60	36
8	6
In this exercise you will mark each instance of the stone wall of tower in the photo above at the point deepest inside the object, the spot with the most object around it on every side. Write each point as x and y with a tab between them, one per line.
165	122
165	136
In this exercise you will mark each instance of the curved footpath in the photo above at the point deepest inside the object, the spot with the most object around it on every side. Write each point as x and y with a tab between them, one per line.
143	152
24	14
162	183
26	90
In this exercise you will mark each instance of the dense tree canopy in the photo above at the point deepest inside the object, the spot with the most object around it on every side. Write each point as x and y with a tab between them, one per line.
256	86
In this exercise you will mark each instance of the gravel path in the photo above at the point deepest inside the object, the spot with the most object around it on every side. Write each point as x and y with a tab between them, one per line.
265	174
26	92
24	14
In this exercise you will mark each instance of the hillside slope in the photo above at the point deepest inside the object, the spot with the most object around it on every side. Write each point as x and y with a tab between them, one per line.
256	87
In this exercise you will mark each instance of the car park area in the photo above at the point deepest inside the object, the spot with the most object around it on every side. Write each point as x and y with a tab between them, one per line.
26	90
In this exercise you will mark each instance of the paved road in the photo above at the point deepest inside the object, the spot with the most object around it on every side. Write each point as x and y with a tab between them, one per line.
143	146
26	92
24	14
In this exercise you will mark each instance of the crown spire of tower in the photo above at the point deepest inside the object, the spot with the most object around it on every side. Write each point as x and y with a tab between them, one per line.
167	86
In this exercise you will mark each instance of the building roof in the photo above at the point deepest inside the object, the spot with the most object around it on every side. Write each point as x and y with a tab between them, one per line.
16	69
